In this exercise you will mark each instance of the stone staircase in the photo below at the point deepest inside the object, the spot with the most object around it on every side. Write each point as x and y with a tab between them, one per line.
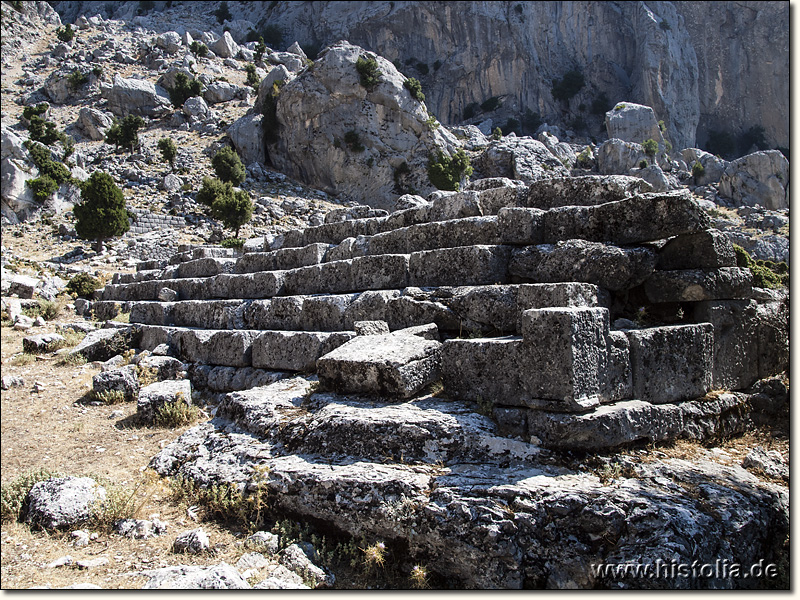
528	288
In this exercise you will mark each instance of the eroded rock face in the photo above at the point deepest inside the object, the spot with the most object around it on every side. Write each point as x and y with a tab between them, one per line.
338	136
758	178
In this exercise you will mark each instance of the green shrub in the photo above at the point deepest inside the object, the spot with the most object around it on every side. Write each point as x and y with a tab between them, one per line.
369	72
531	120
38	110
353	141
125	134
512	125
228	166
568	86
102	213
766	274
77	78
643	164
43	159
211	190
66	33
491	104
252	78
698	170
43	187
176	414
261	47
223	13
233	210
184	89
232	243
83	285
497	133
14	495
198	48
446	173
273	35
168	151
42	130
650	147
415	88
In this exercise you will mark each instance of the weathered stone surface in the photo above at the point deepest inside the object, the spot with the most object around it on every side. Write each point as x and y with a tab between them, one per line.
713	166
391	125
617	157
587	190
94	123
633	123
230	379
475	265
287	258
735	341
294	558
224	47
615	425
642	218
758	178
121	380
63	502
163	367
773	336
694	285
394	364
192	542
102	344
247	136
371	327
767	462
610	267
42	343
228	348
140	529
295	350
524	159
262	409
217	577
467	231
708	249
671	363
136	96
156	395
521	226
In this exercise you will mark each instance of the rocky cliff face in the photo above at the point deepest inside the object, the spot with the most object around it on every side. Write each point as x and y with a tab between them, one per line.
695	63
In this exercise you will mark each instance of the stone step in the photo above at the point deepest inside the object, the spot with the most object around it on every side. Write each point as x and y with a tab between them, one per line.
472	265
270	350
462	310
610	426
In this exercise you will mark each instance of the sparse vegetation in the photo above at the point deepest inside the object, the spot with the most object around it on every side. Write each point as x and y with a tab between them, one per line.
233	208
415	88
252	78
491	104
83	285
471	110
14	494
698	170
77	78
223	13
198	48
176	414
369	72
766	273
650	147
65	34
125	134
353	141
184	89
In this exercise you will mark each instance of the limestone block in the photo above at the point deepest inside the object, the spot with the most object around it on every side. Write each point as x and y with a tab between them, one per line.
735	341
456	206
566	353
370	306
42	343
228	348
671	363
588	190
389	271
710	249
121	380
694	285
205	314
295	350
610	267
473	265
63	501
641	218
773	337
407	217
406	311
156	395
398	365
205	267
506	194
521	226
325	313
371	327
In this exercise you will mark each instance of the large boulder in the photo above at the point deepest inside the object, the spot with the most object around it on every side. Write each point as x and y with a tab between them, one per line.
524	159
758	178
335	134
713	166
224	47
618	157
94	123
633	123
17	198
137	97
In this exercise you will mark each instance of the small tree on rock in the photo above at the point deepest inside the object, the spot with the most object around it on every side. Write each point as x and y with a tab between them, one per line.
228	166
101	214
125	133
650	147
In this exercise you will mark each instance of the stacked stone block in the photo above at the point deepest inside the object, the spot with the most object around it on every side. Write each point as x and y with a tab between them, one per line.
522	286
